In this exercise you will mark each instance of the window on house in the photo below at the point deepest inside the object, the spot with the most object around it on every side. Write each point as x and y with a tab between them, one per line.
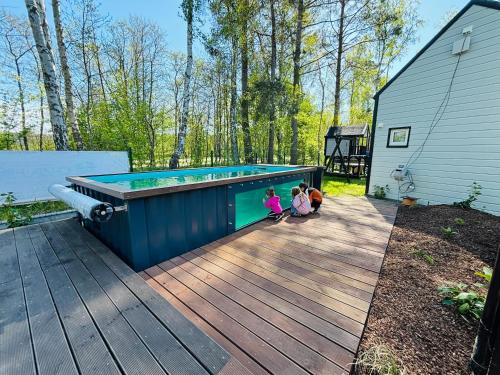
398	137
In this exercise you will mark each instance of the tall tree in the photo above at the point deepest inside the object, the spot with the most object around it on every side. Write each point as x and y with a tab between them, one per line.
244	13
232	105
188	8
36	15
272	99
296	82
68	94
338	69
15	34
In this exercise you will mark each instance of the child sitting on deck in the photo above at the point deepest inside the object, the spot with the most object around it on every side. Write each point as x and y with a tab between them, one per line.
272	201
300	203
315	196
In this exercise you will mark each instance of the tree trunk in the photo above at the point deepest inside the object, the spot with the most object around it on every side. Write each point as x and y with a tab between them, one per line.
296	82
272	110
68	95
35	11
232	104
179	150
20	88
338	72
320	128
245	103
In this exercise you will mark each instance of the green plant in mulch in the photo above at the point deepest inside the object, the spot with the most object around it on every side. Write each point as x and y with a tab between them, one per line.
486	274
379	360
421	254
13	216
459	221
468	302
448	232
474	193
380	192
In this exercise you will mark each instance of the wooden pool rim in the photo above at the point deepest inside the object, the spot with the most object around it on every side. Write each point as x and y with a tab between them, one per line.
128	194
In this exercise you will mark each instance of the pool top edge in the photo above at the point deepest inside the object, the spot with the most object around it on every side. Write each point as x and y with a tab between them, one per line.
128	194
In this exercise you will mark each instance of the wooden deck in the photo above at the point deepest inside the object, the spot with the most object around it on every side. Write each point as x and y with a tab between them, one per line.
70	306
289	297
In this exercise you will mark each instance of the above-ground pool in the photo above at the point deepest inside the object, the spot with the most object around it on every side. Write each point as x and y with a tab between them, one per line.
168	213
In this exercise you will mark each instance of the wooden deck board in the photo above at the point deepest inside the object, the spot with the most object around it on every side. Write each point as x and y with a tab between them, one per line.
51	348
303	280
89	350
70	306
208	352
175	360
16	351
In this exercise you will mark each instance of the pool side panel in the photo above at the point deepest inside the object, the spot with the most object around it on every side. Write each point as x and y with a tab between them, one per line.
177	223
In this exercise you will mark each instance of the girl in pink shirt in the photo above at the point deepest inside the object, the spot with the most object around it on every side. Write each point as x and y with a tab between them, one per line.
272	201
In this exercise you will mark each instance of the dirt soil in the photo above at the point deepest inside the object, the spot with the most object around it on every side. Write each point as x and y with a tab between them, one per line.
407	314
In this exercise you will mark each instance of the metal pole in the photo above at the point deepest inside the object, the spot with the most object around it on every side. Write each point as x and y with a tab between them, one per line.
485	340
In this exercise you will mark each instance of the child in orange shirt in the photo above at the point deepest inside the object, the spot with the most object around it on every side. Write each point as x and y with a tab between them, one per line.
315	196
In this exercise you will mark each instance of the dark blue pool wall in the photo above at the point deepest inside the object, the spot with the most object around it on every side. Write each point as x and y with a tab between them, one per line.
157	228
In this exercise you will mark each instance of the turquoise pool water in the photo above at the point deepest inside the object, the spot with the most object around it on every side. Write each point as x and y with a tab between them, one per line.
145	180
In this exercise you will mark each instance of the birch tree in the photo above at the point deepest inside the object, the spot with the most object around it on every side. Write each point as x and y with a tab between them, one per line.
36	15
68	94
188	9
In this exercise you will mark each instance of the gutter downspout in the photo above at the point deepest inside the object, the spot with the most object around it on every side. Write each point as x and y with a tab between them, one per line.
372	142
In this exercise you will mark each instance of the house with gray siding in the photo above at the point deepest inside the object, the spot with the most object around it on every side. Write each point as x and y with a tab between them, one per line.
436	124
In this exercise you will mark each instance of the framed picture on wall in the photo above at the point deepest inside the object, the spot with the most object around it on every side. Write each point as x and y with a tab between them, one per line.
398	137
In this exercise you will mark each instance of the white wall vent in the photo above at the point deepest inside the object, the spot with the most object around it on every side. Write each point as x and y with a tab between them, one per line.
463	44
460	46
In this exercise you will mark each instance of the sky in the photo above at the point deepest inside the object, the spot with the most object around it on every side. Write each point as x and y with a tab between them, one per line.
167	14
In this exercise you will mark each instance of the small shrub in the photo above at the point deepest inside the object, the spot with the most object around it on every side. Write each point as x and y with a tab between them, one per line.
448	232
424	256
467	302
459	221
475	192
381	191
13	216
379	360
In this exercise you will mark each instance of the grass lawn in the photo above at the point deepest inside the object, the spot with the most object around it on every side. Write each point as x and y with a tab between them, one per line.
338	186
35	208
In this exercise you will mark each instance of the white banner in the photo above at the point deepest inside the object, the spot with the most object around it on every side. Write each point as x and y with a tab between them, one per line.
28	174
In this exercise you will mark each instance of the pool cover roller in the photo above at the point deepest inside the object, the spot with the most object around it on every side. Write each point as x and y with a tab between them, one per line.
88	207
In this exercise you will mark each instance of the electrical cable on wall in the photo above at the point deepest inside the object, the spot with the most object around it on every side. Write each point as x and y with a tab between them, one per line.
402	174
438	116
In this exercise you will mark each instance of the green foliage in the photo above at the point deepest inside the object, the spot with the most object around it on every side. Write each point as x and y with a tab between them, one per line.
459	221
12	215
22	214
424	256
448	232
468	302
474	193
338	186
486	274
381	191
379	360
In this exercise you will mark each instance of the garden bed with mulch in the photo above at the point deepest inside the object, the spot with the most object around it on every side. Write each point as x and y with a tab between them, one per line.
407	315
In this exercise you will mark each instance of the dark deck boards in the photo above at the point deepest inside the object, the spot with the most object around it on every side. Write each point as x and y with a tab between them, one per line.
286	298
68	306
